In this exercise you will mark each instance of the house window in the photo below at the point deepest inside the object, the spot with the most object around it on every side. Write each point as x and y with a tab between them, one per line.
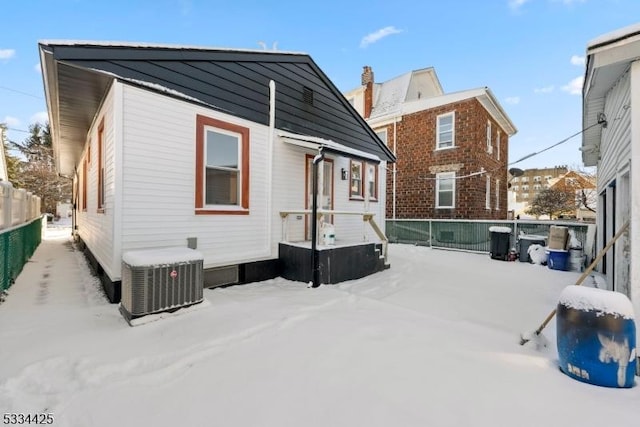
222	167
497	194
382	134
101	161
372	181
355	187
84	185
446	190
537	187
525	179
537	178
445	132
489	146
514	188
514	179
525	188
487	193
498	145
525	195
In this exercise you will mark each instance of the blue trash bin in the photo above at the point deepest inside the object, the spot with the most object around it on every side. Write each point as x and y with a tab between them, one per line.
557	259
596	336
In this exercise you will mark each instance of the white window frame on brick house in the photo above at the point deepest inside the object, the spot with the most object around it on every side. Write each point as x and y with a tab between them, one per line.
382	134
498	144
448	181
487	195
443	142
525	195
489	146
497	194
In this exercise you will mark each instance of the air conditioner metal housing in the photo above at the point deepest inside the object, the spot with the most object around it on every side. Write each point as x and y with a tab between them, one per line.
160	280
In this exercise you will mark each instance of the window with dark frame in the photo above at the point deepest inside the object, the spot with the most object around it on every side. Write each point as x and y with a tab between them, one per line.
222	167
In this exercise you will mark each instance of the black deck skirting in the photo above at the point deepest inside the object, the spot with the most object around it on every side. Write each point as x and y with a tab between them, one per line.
337	263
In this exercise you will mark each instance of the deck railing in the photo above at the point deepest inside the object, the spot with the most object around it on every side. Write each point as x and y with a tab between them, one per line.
367	218
471	235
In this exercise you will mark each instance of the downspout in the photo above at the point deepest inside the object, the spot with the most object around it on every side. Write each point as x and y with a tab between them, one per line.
315	259
272	125
395	144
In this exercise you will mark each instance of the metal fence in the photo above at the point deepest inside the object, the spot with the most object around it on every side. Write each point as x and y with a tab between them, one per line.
17	245
470	235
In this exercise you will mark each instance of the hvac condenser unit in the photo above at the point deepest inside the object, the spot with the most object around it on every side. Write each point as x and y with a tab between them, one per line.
157	280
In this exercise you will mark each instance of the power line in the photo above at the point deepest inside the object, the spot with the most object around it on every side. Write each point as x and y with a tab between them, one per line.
18	130
600	122
21	92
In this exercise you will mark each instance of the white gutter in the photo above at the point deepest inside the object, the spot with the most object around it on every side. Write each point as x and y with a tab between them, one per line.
272	124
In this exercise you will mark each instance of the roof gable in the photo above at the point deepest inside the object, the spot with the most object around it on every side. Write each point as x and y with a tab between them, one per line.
232	81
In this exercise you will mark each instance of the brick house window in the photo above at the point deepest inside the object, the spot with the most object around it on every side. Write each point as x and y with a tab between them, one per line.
446	190
382	134
498	145
222	167
489	146
515	188
487	193
497	194
445	132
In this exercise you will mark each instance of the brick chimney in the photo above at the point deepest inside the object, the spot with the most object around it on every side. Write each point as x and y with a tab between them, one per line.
367	82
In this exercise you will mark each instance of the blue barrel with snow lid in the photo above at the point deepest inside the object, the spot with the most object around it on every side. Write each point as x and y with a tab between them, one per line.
596	336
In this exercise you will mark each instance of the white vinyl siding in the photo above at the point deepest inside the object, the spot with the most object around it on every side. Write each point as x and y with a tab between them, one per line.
446	190
96	229
445	131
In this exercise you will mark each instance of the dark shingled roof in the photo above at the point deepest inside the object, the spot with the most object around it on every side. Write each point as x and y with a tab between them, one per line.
236	82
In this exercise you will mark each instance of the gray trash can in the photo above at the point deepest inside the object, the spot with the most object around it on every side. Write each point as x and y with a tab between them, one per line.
526	240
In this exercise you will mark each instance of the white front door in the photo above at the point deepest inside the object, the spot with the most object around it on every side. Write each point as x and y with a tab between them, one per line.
325	189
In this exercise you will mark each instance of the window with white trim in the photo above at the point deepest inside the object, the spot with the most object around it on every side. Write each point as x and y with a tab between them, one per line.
487	193
498	145
446	190
445	131
382	134
497	194
489	146
222	167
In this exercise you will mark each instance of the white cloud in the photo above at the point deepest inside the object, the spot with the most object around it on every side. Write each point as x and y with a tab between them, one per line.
574	87
577	60
11	121
546	89
7	53
517	4
37	68
377	35
513	100
40	117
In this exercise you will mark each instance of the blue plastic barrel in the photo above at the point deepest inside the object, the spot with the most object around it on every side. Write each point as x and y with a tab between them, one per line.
557	259
596	336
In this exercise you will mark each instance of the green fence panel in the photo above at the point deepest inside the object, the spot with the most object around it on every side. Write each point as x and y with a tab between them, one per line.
469	235
17	245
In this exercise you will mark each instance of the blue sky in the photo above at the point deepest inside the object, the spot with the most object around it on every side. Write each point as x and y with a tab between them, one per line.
530	53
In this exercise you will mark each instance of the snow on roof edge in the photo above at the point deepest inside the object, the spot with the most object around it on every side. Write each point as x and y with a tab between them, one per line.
614	36
65	42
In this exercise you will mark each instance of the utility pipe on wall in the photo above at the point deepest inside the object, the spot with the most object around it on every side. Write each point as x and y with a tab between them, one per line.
315	261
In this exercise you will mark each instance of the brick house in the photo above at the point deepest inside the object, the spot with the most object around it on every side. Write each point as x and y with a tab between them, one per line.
451	148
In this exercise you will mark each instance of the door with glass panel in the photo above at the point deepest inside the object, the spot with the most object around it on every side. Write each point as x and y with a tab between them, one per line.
325	189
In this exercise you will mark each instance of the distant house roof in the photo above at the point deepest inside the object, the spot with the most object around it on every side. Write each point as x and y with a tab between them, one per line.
420	90
77	74
608	58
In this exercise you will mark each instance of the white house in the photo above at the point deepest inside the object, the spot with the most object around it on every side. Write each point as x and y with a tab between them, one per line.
173	146
611	141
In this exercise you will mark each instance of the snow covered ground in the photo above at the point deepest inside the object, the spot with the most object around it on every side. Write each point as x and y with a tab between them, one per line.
433	341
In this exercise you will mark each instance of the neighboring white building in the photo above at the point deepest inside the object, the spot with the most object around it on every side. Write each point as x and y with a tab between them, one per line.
3	160
611	141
